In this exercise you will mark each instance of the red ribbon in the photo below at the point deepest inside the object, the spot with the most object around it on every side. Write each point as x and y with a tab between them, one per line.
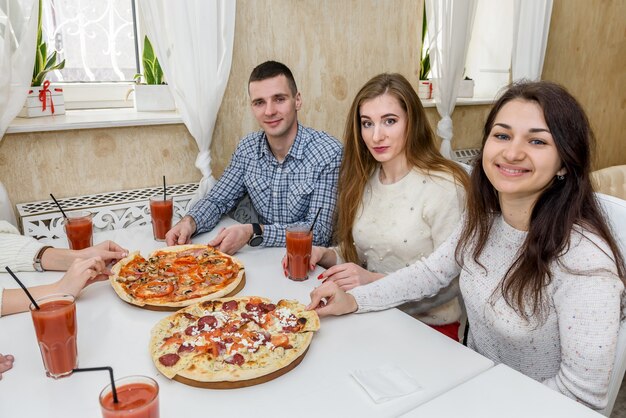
42	96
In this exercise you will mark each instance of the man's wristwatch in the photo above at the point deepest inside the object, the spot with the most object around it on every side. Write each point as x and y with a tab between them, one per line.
257	236
37	261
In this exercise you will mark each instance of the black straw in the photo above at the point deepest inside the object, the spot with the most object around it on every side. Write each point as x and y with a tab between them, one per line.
59	206
23	287
164	190
315	219
95	369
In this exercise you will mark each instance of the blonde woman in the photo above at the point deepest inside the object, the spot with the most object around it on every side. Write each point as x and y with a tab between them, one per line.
398	198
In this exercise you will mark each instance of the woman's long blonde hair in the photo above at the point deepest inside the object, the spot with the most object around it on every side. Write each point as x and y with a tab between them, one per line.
358	164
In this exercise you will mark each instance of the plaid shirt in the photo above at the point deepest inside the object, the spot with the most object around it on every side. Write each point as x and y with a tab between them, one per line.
283	194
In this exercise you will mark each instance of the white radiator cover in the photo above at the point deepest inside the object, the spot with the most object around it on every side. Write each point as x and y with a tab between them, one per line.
113	210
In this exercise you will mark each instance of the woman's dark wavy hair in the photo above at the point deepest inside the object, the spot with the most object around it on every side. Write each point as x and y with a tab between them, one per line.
563	204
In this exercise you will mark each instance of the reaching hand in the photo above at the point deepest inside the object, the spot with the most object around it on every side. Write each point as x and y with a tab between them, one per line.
317	255
181	232
108	251
231	239
329	299
349	275
6	363
81	274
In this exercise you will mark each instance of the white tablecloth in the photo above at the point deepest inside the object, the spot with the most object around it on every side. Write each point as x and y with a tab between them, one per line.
111	332
502	392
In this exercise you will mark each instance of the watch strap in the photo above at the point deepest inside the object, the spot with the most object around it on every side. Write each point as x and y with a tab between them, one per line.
37	261
256	230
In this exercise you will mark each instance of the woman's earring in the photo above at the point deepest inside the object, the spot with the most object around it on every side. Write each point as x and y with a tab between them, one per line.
560	177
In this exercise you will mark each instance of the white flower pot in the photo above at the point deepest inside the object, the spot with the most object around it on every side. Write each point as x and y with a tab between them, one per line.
425	89
466	89
153	98
45	100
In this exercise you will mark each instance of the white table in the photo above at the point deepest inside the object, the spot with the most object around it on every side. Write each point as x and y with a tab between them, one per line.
111	332
502	392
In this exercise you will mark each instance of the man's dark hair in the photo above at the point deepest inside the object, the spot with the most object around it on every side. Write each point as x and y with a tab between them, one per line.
270	69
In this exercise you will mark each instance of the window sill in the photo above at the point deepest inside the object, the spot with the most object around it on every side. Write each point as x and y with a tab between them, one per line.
473	101
93	118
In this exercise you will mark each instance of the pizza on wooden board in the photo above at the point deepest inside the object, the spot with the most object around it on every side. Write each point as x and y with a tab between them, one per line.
173	277
232	339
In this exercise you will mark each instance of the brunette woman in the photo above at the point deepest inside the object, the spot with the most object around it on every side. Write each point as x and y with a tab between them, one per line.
540	273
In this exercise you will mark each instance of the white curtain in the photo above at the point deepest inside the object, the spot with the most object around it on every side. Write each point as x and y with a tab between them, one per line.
449	29
193	41
18	33
18	30
531	24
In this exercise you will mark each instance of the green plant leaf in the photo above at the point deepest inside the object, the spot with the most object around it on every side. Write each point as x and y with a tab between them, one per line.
152	71
44	63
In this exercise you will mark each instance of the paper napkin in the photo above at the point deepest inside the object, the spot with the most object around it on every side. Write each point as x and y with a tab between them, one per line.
387	382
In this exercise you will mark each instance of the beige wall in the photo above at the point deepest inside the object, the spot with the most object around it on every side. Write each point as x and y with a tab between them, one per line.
71	163
333	47
587	54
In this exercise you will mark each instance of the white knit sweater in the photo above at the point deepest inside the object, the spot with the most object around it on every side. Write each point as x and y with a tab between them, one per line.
16	251
398	224
571	351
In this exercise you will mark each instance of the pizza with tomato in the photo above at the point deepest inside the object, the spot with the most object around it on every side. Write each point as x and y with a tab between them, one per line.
232	340
177	276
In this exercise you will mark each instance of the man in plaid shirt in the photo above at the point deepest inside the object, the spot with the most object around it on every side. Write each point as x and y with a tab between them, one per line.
288	170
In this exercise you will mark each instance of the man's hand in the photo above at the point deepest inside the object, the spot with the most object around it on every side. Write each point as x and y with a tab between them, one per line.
231	239
181	232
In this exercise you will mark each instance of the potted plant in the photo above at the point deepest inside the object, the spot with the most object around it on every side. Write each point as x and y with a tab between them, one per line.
43	99
425	87
153	94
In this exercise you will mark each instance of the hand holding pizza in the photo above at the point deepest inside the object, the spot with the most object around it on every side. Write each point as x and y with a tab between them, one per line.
181	232
81	274
349	275
329	299
232	239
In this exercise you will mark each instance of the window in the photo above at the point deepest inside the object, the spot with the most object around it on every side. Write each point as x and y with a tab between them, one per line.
97	39
488	60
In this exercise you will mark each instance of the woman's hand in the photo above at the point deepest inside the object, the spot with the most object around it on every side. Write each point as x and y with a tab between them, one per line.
319	255
329	299
81	274
349	275
108	251
6	363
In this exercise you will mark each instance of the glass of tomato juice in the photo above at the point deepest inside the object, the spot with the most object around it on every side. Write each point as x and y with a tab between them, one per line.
299	245
55	327
138	397
161	211
79	229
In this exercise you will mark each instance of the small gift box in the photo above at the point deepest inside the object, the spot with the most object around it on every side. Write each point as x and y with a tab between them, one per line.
43	101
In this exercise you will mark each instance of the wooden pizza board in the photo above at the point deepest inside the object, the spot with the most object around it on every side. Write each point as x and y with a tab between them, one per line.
238	289
243	383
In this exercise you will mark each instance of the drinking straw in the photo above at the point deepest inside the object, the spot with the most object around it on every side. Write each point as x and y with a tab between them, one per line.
59	206
95	369
315	219
23	287
164	190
